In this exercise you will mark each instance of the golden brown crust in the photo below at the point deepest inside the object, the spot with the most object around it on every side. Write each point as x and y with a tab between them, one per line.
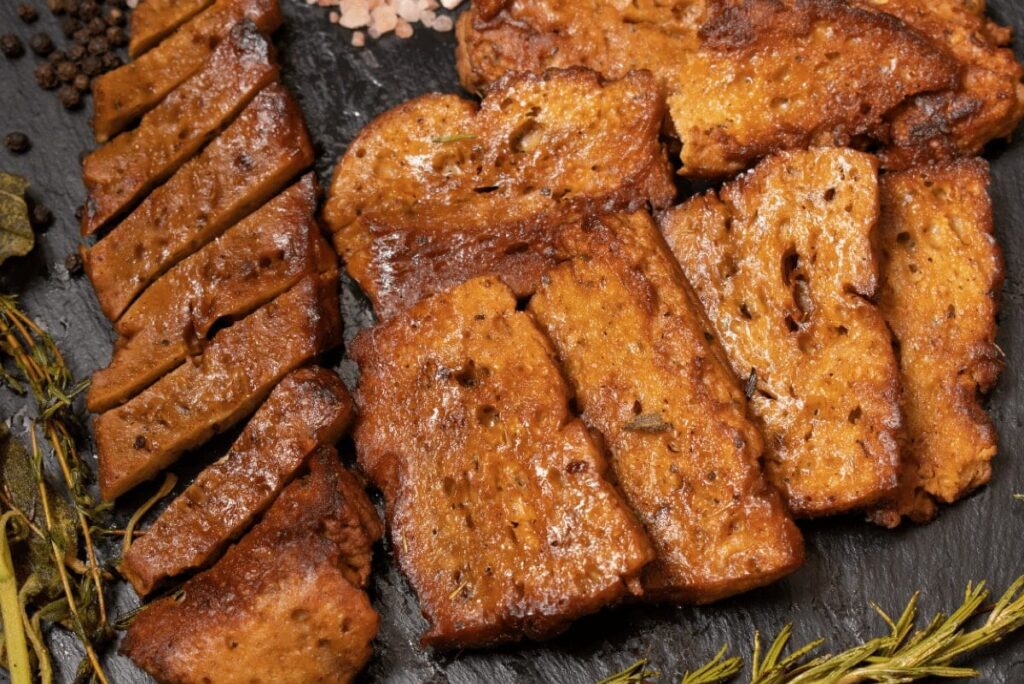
783	262
437	191
498	506
154	20
633	341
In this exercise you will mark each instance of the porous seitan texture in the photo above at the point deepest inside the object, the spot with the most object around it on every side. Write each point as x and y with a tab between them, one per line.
783	262
284	606
649	377
439	190
154	20
941	276
498	505
742	79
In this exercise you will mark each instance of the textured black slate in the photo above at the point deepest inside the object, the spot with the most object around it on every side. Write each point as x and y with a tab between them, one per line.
849	562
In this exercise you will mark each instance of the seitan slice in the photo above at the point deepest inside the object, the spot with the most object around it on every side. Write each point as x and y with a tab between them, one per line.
154	20
782	260
309	408
246	267
742	79
499	509
253	158
121	172
222	386
635	346
284	605
439	190
942	271
123	95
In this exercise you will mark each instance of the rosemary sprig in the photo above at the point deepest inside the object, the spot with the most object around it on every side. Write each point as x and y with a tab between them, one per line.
718	669
637	672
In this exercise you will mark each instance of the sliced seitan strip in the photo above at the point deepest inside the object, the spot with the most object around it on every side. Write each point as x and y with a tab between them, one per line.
123	95
649	377
499	509
782	260
246	267
254	157
309	408
233	375
120	173
285	604
154	20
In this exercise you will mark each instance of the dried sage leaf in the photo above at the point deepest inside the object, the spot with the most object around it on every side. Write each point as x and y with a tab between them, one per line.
648	422
16	236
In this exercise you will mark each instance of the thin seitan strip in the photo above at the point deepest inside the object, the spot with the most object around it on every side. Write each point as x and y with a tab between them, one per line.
649	377
499	509
253	158
782	261
285	604
942	272
308	409
154	20
249	265
121	172
123	95
219	388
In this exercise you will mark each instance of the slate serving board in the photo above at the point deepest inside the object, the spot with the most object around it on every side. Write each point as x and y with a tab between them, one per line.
849	562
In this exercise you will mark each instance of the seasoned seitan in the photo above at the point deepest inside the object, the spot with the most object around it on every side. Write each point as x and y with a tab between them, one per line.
439	190
634	344
497	502
252	159
284	606
154	20
118	174
217	389
782	260
308	409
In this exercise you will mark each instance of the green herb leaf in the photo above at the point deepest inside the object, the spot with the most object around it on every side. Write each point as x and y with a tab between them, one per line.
648	422
637	672
719	669
442	139
16	236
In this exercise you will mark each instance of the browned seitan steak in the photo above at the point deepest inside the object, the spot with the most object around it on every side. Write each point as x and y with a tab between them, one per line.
223	385
250	264
635	345
154	20
253	158
123	95
309	408
783	262
284	605
499	509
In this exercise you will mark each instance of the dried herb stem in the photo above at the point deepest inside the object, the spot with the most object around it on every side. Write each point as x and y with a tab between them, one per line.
18	662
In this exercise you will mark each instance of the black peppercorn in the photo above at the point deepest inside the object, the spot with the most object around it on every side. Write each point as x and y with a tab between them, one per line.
46	76
73	263
81	36
92	66
11	46
68	26
114	16
27	13
69	97
58	7
77	52
66	72
117	36
81	83
17	143
98	46
111	61
41	216
96	26
87	9
41	44
57	56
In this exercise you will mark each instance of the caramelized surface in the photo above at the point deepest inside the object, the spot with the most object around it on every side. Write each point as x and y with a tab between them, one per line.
284	605
257	154
118	174
437	191
123	95
153	20
783	262
308	409
498	506
223	385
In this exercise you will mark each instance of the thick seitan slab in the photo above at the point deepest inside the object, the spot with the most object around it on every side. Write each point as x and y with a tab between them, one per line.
942	272
499	509
120	173
250	264
123	95
222	386
308	409
782	261
742	79
648	376
154	20
439	190
285	603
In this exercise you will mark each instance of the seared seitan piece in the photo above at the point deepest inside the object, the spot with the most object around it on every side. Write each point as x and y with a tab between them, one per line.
154	20
497	502
249	265
783	263
648	376
309	408
743	79
125	94
118	174
223	385
284	605
439	190
255	156
941	276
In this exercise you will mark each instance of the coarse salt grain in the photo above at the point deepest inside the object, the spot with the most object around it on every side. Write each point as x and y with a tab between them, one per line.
379	17
358	39
443	24
403	29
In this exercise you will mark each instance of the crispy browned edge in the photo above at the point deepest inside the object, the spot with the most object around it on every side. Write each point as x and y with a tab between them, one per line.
153	20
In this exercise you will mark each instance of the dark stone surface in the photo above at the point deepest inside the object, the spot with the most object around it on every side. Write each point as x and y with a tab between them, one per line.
849	562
